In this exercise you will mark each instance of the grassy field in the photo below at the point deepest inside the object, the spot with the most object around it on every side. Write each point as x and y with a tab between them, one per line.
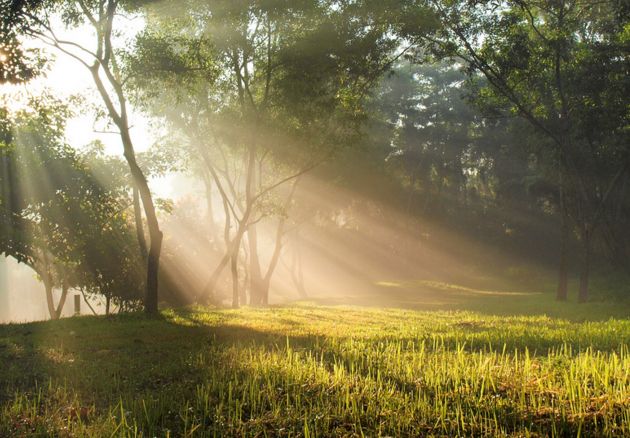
314	371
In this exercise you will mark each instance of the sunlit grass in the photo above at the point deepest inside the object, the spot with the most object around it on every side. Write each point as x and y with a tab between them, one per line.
316	371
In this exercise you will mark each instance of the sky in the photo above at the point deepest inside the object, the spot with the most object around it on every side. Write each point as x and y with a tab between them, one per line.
67	77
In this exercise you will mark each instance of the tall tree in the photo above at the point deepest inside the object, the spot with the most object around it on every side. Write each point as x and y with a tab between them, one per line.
59	215
45	22
535	56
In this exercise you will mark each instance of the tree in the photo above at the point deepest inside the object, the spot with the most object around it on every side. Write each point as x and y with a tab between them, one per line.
273	92
103	65
59	215
17	65
536	57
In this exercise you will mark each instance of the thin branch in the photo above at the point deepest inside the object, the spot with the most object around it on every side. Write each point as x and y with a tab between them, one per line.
288	178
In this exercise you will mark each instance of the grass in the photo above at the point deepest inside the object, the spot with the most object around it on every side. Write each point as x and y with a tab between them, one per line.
314	371
497	296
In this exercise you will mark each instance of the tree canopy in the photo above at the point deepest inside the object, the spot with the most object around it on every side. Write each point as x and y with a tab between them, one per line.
508	120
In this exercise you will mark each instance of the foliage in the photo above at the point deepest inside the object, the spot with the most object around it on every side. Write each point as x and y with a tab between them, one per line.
17	64
61	216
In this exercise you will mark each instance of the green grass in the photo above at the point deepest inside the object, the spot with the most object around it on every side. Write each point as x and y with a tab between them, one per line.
496	296
317	371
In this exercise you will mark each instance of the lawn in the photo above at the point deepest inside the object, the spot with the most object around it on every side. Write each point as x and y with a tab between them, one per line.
306	370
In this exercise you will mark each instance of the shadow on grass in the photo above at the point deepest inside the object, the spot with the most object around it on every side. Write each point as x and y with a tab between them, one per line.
161	369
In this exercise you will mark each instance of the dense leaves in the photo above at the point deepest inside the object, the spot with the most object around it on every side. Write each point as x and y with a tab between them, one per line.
60	216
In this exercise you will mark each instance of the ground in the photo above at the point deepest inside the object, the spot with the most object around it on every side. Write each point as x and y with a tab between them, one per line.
308	370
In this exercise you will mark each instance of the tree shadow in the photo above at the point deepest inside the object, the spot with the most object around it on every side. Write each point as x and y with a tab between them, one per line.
158	369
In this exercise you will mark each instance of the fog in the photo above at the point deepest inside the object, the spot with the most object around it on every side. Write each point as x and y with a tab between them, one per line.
342	249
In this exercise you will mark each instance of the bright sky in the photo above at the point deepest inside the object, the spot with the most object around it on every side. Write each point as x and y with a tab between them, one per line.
67	77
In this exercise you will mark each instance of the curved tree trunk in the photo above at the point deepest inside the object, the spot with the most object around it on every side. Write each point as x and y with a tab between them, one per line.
259	284
232	244
111	90
208	292
54	311
207	181
273	263
47	279
87	302
155	234
264	292
62	299
49	298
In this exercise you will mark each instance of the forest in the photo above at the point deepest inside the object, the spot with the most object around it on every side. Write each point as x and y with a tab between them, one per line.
314	218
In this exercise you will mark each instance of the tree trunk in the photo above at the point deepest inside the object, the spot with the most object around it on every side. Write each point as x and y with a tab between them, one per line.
153	269
243	289
142	241
259	284
243	285
54	311
255	274
155	234
233	245
208	293
234	269
257	290
273	263
88	302
62	300
586	265
120	119
562	292
209	204
49	297
264	292
108	301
